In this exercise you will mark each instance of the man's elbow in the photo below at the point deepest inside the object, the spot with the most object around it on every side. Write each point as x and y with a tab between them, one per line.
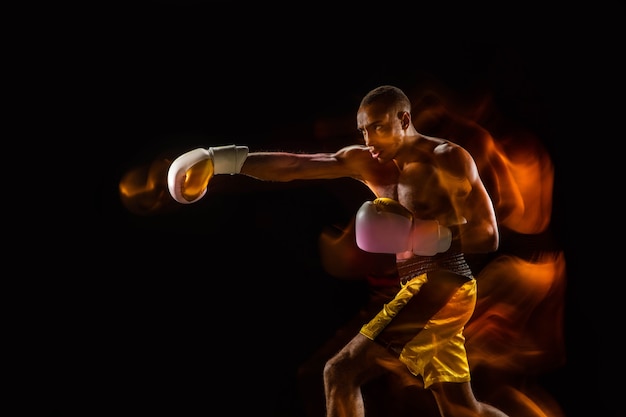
489	240
492	243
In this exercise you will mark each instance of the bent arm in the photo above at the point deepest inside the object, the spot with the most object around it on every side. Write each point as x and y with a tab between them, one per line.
479	234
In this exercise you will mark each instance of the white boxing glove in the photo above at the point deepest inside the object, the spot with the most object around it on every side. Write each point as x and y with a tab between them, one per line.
385	226
430	238
189	175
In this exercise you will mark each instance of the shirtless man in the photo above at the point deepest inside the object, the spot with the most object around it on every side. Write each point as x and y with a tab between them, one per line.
431	208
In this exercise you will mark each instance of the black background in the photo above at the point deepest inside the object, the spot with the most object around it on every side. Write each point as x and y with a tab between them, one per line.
214	309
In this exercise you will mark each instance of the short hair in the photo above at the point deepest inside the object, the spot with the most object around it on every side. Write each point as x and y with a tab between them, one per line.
388	95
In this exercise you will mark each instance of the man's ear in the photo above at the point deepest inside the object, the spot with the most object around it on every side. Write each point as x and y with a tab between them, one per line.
405	119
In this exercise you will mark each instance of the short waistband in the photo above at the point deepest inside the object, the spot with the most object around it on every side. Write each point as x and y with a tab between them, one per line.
450	261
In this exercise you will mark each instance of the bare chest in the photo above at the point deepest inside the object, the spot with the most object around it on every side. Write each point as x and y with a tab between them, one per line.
421	189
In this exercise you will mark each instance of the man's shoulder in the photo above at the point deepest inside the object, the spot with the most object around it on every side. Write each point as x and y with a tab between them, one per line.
353	152
449	149
354	148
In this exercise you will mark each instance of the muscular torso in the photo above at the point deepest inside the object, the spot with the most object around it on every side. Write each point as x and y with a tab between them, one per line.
421	186
430	180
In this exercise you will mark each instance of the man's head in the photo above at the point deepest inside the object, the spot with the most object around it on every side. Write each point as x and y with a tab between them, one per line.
391	97
384	118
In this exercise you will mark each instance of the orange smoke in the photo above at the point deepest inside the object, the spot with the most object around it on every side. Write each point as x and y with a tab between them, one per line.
143	189
517	331
518	320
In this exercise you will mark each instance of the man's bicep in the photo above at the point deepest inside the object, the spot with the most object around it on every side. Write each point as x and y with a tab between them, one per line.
323	166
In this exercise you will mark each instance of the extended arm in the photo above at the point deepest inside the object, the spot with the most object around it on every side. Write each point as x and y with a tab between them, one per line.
190	173
285	166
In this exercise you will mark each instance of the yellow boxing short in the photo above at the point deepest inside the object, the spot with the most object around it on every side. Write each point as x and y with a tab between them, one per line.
423	326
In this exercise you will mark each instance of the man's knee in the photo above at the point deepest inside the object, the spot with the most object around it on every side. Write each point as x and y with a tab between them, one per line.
339	369
332	368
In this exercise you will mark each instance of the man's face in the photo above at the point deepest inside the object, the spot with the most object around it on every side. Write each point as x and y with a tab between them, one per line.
381	129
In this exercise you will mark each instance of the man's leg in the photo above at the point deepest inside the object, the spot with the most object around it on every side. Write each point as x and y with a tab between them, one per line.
358	362
456	399
310	372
